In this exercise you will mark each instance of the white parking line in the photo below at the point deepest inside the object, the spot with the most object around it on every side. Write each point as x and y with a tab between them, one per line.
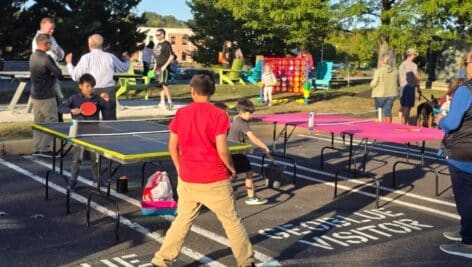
139	228
196	229
399	192
359	191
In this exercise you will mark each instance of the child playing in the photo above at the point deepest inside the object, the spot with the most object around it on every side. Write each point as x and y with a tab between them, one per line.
72	106
268	79
239	131
199	151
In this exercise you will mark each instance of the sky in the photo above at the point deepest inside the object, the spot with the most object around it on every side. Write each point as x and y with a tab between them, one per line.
176	8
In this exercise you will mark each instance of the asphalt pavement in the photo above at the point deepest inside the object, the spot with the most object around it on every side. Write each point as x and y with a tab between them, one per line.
301	225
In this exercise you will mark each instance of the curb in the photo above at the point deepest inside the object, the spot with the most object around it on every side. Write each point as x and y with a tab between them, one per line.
17	147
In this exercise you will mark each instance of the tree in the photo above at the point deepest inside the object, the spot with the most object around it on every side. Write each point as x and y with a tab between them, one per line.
78	19
212	26
299	23
10	11
156	20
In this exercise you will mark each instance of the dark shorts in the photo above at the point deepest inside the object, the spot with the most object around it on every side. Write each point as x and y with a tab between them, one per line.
386	104
408	96
241	163
163	76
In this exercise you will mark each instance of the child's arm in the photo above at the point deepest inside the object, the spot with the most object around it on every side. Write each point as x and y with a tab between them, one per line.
66	107
174	151
223	152
256	141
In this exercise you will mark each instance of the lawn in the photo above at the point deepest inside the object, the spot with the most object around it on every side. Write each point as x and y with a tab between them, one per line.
342	99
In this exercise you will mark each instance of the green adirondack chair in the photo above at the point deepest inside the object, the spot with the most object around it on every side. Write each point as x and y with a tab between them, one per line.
135	84
232	75
323	75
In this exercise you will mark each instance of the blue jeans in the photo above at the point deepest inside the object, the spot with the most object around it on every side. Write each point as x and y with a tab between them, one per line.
462	188
386	104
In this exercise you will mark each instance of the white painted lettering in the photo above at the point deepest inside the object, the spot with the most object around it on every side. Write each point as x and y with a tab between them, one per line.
318	243
276	234
387	212
292	230
358	231
318	226
335	241
350	238
347	219
413	224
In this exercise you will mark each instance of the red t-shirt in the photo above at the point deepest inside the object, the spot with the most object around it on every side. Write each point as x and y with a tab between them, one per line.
197	126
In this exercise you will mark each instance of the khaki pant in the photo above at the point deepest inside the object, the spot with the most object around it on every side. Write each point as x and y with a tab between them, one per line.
44	111
77	156
218	197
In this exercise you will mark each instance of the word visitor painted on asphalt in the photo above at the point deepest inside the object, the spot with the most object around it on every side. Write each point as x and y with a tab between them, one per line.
340	231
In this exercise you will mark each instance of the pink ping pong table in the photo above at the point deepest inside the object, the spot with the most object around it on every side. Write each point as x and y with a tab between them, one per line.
366	129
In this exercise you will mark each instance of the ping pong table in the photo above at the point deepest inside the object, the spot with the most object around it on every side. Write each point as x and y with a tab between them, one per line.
24	76
364	128
119	142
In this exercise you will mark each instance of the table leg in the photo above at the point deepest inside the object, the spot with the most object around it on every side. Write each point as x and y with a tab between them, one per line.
17	95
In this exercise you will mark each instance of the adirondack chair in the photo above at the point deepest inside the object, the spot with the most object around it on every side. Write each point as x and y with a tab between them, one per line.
136	84
232	75
323	75
256	73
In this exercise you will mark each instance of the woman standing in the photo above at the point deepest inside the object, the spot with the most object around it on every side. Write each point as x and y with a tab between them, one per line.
457	125
385	87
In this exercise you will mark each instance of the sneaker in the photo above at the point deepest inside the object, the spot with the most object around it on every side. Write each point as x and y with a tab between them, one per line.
169	106
457	249
255	201
453	236
161	105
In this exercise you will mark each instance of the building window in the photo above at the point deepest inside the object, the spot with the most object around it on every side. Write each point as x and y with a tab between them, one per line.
172	40
185	39
184	56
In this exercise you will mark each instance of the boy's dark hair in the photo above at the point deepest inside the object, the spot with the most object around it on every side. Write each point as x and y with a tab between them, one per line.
203	84
87	78
162	31
221	105
245	105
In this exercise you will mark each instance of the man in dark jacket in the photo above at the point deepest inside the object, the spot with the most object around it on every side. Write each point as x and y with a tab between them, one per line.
44	73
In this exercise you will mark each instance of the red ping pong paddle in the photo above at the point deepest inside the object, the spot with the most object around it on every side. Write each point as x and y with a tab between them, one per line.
88	108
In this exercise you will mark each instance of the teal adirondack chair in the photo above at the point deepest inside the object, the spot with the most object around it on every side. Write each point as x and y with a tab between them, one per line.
232	75
323	75
256	73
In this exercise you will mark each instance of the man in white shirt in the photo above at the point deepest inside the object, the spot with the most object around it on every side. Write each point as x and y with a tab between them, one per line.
48	26
102	66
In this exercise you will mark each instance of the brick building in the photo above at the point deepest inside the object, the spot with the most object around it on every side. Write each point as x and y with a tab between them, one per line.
178	37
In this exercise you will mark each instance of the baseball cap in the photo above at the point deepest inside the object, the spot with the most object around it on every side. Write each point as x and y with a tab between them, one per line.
411	51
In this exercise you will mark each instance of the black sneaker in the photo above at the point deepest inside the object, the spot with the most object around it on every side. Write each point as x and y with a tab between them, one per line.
170	106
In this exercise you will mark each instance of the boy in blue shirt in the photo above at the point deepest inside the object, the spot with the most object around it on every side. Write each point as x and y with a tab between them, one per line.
72	106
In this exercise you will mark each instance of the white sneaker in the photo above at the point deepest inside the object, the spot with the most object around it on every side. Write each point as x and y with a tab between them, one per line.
162	105
255	201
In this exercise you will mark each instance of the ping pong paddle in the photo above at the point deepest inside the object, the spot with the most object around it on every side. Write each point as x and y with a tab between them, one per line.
88	108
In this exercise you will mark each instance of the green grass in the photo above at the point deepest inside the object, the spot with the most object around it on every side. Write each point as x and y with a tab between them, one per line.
342	99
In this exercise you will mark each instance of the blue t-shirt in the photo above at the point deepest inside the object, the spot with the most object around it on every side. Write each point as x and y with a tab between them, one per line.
460	104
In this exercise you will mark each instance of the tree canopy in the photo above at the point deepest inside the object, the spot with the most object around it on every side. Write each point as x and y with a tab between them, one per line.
156	20
75	21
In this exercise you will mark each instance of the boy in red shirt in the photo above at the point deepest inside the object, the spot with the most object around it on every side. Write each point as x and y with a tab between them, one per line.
199	151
